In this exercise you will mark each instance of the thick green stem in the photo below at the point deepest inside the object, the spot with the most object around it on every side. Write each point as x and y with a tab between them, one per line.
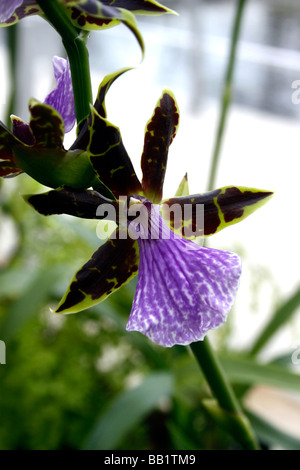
223	392
74	43
227	92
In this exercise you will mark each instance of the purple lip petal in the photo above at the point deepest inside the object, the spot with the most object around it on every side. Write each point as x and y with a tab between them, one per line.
62	98
7	9
183	290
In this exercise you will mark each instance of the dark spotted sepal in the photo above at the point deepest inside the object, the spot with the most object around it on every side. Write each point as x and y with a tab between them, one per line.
79	203
111	266
159	134
109	157
205	214
12	11
91	15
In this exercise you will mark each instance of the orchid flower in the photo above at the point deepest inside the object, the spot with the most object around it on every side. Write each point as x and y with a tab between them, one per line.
87	14
183	289
49	121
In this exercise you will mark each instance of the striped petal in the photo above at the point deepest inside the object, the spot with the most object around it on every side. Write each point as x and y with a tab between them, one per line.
62	98
183	290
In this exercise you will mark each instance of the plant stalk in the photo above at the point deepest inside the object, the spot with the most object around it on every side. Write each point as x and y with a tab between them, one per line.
77	52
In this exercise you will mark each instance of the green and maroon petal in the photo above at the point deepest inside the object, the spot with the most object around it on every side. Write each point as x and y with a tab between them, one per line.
65	200
142	7
111	266
13	11
91	15
109	157
159	134
205	214
47	125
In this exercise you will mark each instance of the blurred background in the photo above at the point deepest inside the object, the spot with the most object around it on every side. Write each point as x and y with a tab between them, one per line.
81	381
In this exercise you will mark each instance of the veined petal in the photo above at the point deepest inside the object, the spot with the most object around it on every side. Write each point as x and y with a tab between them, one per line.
62	98
183	290
111	266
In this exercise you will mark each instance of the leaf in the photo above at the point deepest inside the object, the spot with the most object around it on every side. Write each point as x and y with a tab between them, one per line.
272	436
281	316
36	294
129	409
159	134
109	157
114	264
248	371
221	208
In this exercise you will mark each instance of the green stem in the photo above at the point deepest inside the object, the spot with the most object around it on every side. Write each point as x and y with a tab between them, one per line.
223	392
227	92
202	350
75	45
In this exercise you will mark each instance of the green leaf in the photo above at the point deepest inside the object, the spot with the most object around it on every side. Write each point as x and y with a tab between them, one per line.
281	316
36	294
248	371
159	134
272	436
109	157
222	207
129	409
114	264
